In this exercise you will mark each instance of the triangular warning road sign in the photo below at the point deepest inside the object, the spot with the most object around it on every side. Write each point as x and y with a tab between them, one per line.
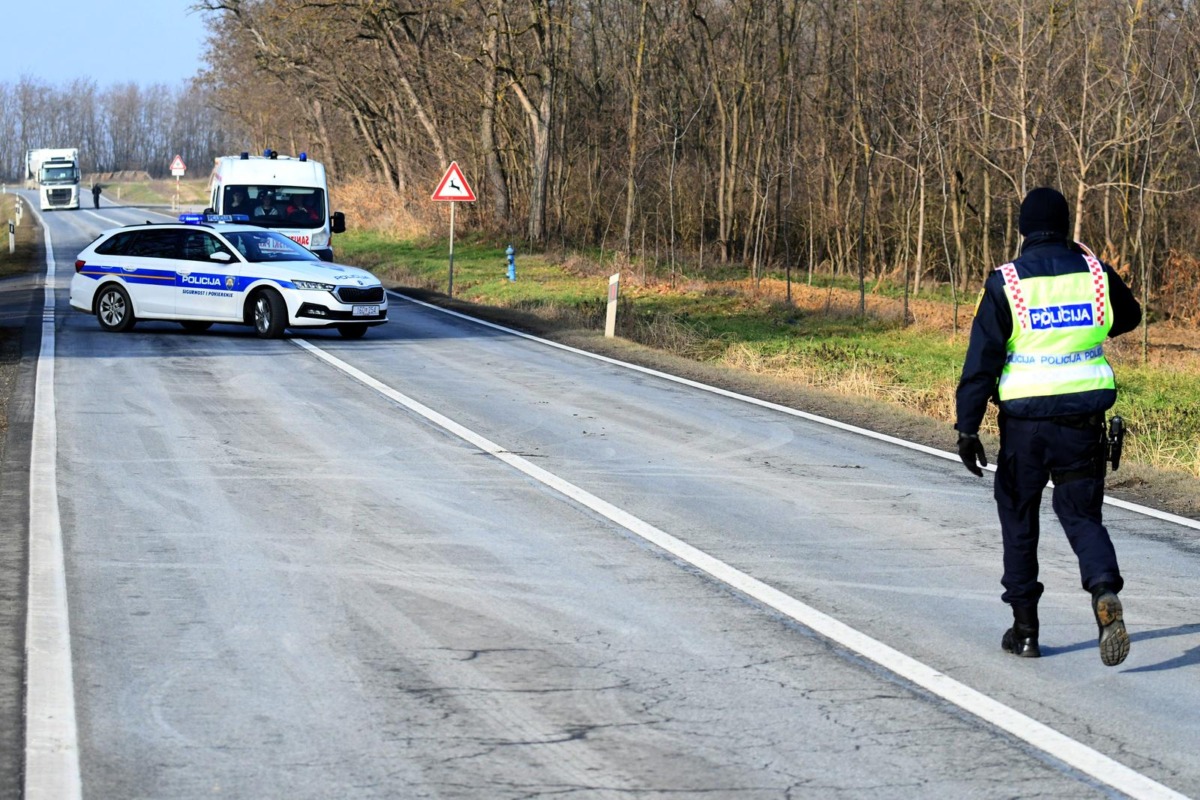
454	186
178	163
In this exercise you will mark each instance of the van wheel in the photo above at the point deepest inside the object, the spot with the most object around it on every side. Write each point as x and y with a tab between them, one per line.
113	309
195	326
352	331
270	314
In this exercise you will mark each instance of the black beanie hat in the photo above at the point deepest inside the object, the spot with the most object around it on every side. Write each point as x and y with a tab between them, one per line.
1044	210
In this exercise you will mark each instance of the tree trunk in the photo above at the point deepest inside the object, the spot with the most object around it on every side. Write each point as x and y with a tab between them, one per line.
497	185
635	99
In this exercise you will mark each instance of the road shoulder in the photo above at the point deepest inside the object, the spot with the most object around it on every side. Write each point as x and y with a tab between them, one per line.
20	339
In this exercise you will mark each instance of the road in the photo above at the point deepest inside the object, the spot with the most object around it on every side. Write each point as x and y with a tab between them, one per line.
449	561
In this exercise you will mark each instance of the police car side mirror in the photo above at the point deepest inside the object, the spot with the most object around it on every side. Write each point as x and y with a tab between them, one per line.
338	222
220	255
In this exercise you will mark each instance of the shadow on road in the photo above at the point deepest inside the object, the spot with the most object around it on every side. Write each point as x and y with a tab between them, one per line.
1188	658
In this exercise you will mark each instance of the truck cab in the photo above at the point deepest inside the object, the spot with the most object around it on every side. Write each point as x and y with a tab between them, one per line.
55	174
287	194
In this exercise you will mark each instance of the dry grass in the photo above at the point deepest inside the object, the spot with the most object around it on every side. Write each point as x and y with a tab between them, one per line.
27	239
857	378
369	205
668	333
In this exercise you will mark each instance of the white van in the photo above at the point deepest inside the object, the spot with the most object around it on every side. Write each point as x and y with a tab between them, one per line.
285	193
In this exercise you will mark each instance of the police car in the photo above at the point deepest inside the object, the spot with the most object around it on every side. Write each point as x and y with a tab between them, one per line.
204	270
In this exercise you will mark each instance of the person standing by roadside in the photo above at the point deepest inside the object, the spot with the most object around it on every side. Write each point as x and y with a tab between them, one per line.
1037	348
96	194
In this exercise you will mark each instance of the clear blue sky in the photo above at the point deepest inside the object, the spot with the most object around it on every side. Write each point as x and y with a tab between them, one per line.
109	41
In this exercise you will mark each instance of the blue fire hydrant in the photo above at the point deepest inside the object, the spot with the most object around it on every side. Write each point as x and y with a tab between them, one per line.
512	264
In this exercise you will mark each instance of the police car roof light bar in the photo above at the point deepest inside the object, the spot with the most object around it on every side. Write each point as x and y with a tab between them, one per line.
200	219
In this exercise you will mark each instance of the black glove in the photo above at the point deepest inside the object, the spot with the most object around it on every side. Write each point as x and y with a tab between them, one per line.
970	450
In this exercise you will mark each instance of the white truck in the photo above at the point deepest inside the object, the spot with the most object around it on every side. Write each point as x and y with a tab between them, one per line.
54	172
285	193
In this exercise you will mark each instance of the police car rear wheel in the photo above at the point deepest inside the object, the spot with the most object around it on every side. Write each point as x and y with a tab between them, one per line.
270	315
352	331
196	327
113	309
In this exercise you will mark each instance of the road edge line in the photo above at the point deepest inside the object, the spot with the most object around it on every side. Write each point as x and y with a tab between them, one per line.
51	734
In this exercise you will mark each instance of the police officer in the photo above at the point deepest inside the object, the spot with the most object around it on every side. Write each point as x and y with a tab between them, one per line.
1037	348
96	194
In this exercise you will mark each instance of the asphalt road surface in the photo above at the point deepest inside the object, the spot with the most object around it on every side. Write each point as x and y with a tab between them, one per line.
448	561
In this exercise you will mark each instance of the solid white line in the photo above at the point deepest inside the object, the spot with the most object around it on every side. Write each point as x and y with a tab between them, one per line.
1081	757
111	223
51	740
833	423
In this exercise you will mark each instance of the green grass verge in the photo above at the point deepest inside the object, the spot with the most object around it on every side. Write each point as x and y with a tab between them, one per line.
152	192
25	255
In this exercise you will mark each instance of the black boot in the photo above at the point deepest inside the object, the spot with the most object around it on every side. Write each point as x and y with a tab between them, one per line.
1110	619
1022	638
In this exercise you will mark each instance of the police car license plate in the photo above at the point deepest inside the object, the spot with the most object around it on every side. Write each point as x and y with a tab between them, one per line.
366	311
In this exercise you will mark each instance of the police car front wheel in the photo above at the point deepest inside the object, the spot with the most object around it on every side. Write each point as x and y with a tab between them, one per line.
270	314
114	312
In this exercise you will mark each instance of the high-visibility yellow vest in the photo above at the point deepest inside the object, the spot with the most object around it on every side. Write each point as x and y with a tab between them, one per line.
1059	326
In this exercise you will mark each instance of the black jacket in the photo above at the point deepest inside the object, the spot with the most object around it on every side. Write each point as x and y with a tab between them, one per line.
1042	254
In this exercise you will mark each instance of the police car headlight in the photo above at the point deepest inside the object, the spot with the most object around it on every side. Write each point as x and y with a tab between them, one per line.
314	286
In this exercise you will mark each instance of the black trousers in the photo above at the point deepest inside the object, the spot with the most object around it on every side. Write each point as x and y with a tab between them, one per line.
1072	453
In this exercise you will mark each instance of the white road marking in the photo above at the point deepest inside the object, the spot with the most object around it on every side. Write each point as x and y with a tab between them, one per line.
833	423
51	740
1081	757
109	223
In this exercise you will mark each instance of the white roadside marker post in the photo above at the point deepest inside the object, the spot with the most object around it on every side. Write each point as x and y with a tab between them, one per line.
610	317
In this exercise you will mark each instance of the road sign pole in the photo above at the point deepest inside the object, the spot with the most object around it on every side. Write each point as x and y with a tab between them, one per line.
453	189
450	288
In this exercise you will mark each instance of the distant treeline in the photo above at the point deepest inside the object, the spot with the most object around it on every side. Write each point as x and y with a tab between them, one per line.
899	135
121	127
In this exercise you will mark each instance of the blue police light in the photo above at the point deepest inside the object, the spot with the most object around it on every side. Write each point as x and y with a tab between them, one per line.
304	156
200	219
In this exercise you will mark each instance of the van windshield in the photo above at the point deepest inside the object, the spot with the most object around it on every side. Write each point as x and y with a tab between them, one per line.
277	206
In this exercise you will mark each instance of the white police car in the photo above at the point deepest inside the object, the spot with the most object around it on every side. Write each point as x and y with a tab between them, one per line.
200	271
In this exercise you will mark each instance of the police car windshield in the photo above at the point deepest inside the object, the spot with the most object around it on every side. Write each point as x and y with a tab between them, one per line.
258	246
